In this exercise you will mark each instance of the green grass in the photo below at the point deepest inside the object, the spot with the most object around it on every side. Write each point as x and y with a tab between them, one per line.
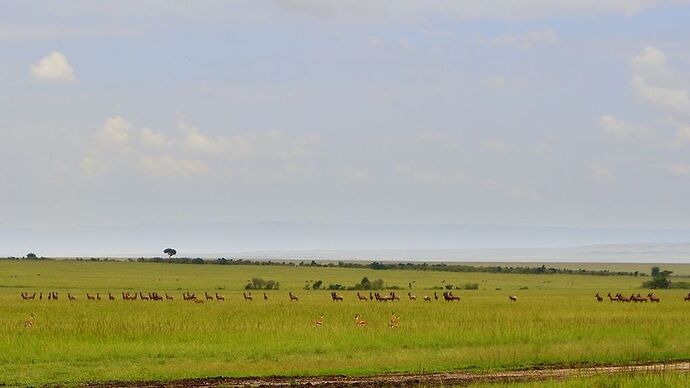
555	322
647	380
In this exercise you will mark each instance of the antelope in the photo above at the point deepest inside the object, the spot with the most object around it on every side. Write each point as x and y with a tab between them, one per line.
220	297
371	296
394	297
29	322
412	297
293	297
449	297
362	297
318	322
247	296
435	295
512	298
638	298
610	297
110	296
393	321
98	296
653	298
70	297
168	297
142	297
336	297
24	296
40	296
265	296
427	298
208	297
359	321
687	298
599	298
90	297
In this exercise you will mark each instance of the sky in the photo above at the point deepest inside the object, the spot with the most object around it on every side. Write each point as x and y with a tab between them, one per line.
569	113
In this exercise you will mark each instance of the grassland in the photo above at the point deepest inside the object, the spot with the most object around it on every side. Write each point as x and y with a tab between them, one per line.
555	322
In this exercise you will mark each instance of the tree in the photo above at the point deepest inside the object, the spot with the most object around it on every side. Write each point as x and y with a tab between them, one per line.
31	256
659	279
170	252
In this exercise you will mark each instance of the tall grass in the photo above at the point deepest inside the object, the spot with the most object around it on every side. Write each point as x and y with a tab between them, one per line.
555	322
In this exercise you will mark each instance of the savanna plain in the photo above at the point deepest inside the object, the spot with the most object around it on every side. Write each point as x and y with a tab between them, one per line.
555	322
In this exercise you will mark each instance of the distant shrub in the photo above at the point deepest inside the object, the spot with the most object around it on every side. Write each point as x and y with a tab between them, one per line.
336	286
471	286
680	285
261	284
524	288
317	284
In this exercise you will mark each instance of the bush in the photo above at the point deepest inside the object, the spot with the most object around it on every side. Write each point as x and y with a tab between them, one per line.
261	284
680	285
471	286
317	284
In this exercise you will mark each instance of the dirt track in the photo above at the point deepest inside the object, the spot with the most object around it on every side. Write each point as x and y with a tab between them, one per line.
451	378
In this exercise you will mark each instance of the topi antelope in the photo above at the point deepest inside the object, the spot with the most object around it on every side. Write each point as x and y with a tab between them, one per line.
359	321
362	297
449	297
265	296
293	297
247	296
220	297
687	298
653	298
512	298
336	297
411	296
599	298
208	297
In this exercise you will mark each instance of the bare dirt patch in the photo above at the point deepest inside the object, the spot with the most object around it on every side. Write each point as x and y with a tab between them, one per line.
434	379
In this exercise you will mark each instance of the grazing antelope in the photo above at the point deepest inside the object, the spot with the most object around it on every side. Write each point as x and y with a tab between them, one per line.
293	297
599	298
412	297
449	297
394	297
371	296
265	296
394	321
208	297
336	297
362	297
359	321
318	322
90	297
638	298
220	297
653	298
71	297
687	298
24	296
168	297
512	298
247	296
142	297
427	298
610	297
29	322
110	296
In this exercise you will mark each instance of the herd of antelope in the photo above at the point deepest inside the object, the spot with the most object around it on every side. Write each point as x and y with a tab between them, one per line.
619	297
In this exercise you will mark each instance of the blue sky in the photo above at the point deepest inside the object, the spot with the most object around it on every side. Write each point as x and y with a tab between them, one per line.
401	112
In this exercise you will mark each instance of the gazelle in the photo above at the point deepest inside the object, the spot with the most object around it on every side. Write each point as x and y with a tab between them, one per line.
512	298
359	321
220	297
293	297
411	296
610	297
40	296
142	297
318	322
247	296
29	322
394	321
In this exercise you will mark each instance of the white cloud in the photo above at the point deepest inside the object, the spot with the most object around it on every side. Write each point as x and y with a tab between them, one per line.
152	139
117	132
493	145
679	169
173	167
624	130
53	67
655	82
526	39
682	137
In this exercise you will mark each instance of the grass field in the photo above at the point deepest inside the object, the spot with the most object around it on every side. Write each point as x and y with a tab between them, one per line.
556	321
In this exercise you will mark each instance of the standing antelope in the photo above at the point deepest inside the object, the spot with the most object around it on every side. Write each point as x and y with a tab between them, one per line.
359	321
247	296
362	297
435	295
318	322
40	296
220	297
98	295
265	296
90	297
427	298
336	297
394	321
610	297
208	297
687	298
599	298
110	296
411	296
142	297
512	298
70	297
168	297
293	297
653	298
29	322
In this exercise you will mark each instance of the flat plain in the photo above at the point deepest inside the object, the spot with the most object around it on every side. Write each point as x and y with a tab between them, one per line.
555	322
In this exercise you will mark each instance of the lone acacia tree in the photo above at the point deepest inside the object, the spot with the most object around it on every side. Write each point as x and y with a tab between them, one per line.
170	252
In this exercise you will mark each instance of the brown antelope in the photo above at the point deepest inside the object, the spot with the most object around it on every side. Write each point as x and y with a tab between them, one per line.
318	322
40	296
208	297
512	298
142	297
220	297
29	322
411	296
168	297
265	296
110	296
449	297
427	298
435	295
610	297
90	297
394	321
599	298
394	297
371	296
638	298
293	297
359	321
362	297
653	298
687	298
70	297
336	297
98	296
247	296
